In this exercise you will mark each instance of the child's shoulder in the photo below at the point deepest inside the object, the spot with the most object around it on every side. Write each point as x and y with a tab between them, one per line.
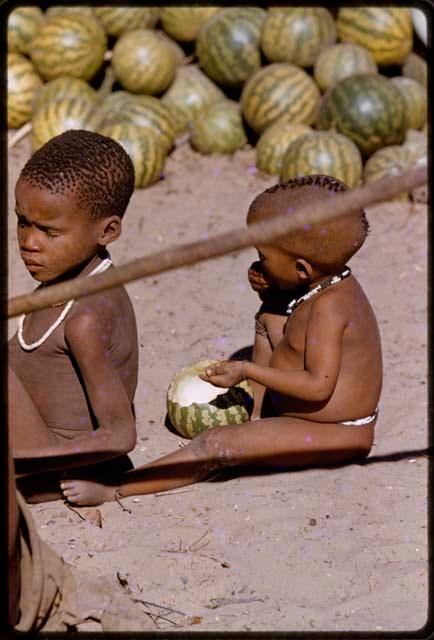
101	311
338	299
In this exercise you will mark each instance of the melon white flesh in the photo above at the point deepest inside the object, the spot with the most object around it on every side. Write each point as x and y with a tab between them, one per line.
187	388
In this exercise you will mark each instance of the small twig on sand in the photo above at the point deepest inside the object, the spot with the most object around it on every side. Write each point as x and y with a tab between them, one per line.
222	602
66	503
172	493
159	606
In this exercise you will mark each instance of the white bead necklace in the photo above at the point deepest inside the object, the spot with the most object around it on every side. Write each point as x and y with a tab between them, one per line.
103	266
323	285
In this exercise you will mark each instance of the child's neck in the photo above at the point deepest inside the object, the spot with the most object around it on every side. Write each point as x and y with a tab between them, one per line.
325	277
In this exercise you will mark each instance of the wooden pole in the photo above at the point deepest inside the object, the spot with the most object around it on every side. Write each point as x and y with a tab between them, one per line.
187	254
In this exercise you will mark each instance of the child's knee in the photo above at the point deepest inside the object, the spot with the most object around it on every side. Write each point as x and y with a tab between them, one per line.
212	446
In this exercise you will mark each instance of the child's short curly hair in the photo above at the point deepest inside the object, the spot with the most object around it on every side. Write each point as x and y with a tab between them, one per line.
93	168
327	245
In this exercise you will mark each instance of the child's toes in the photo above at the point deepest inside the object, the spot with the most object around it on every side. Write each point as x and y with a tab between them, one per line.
68	489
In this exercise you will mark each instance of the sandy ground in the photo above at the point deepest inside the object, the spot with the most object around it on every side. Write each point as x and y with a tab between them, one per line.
336	549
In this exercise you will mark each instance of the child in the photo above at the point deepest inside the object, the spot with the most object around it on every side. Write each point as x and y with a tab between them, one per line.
322	369
73	367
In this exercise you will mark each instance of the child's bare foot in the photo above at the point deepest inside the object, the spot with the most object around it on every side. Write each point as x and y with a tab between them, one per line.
87	493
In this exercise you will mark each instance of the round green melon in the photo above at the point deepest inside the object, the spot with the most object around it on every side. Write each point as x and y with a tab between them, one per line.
219	129
416	68
184	23
143	62
68	45
228	45
194	405
112	106
189	94
23	84
415	101
323	152
59	88
342	61
367	108
274	142
52	119
388	161
386	32
146	112
119	20
23	24
297	35
144	149
280	89
75	10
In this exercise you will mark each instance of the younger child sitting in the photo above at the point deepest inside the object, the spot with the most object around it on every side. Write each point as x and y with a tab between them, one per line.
322	368
73	367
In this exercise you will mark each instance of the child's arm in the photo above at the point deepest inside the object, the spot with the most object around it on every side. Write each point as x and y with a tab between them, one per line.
322	358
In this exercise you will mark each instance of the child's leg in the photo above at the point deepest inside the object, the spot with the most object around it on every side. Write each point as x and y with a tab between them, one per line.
282	442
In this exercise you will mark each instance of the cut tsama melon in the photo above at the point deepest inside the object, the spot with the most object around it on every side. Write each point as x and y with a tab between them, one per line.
194	405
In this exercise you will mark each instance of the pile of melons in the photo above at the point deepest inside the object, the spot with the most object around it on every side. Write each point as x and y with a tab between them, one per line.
340	91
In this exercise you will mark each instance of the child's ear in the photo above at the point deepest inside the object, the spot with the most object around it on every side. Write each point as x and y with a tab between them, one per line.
110	230
304	270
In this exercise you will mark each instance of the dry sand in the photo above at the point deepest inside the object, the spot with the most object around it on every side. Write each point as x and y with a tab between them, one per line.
321	549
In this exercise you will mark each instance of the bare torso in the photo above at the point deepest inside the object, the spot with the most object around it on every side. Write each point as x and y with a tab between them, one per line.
358	387
50	375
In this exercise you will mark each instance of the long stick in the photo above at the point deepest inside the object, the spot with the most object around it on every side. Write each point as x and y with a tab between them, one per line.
187	254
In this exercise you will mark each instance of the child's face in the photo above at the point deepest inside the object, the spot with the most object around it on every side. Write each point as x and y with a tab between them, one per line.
279	266
54	236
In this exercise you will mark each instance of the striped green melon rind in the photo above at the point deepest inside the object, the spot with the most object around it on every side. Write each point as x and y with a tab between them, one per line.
146	112
228	45
143	62
279	89
274	142
80	11
112	106
323	152
416	143
388	161
184	23
297	35
144	149
219	129
367	108
341	61
386	32
233	406
68	45
119	20
189	94
78	112
62	87
23	83
415	101
23	24
416	68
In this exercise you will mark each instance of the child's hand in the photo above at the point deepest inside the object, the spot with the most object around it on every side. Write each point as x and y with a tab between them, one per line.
259	281
224	374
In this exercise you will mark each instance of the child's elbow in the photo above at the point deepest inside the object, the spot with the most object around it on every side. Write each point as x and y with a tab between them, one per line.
321	391
127	442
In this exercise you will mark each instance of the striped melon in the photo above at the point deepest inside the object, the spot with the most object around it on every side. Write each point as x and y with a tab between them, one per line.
144	149
386	32
147	113
184	23
23	84
77	112
179	52
59	88
367	108
415	101
228	45
68	45
416	143
219	129
119	20
78	11
143	62
342	61
297	35
323	152
388	161
112	106
279	89
189	94
274	142
194	405
23	24
416	68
